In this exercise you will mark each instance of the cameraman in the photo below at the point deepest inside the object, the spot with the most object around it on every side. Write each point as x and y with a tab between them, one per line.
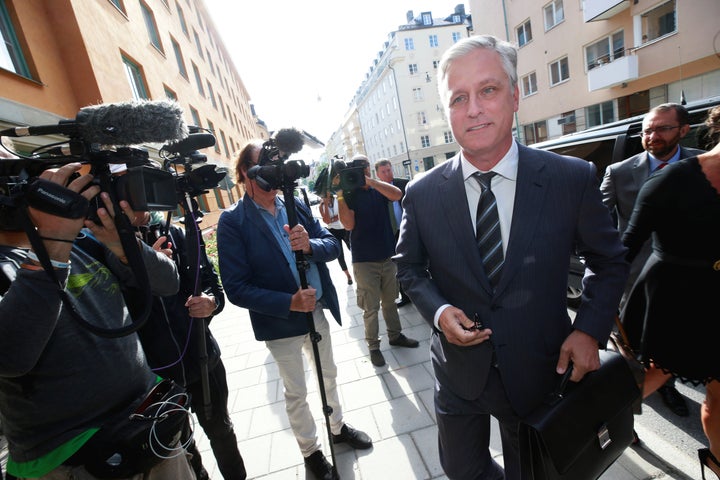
364	211
60	383
171	342
259	272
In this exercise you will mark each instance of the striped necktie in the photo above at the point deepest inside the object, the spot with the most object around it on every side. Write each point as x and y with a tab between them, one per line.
487	229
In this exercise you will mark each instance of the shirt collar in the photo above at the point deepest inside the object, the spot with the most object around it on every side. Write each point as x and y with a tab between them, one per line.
507	166
654	162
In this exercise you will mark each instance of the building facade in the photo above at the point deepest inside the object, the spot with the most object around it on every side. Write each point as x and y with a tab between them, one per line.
583	63
396	113
61	55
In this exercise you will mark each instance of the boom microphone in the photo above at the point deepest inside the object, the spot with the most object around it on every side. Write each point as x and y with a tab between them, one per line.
124	123
194	141
289	140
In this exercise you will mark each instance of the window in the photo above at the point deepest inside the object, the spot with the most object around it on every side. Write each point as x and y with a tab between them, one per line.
119	5
599	114
658	22
535	132
135	79
559	71
567	120
426	18
225	144
425	141
554	14
421	118
409	44
170	93
181	17
179	58
198	45
436	63
433	40
198	80
529	84
524	33
448	137
211	127
605	50
11	56
211	94
456	37
413	68
151	26
195	116
417	93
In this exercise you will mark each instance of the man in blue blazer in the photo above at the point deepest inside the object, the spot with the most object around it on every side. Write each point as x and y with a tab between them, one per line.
549	207
256	252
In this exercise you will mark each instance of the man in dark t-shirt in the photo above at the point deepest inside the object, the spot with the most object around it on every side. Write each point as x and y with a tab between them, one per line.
365	213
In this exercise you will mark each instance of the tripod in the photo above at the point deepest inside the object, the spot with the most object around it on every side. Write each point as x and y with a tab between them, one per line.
315	337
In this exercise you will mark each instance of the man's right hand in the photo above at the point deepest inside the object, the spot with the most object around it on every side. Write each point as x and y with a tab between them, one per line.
459	329
303	300
55	227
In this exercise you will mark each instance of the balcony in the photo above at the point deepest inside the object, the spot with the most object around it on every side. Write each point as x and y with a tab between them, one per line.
594	10
620	70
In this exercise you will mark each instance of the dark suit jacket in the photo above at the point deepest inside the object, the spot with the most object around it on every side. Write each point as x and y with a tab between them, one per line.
256	275
620	186
622	182
557	211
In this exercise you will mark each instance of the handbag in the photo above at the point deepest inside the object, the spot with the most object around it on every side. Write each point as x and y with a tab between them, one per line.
618	342
581	428
135	442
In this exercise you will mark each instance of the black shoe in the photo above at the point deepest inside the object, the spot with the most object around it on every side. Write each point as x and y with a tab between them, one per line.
355	438
403	301
403	341
674	400
377	358
705	456
320	467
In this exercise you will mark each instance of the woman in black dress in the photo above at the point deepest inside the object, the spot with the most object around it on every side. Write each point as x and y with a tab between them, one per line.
672	315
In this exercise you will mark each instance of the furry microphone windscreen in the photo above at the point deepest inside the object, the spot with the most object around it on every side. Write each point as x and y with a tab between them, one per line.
132	123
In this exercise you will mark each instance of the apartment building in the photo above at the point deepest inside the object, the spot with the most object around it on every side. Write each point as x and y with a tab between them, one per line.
583	63
58	56
396	112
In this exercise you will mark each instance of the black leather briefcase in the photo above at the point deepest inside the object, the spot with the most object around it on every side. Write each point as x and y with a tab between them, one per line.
582	428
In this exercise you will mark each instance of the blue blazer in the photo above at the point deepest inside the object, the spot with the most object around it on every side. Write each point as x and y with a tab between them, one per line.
256	275
557	211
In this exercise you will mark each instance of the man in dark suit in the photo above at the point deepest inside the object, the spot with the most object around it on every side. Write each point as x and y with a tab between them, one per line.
383	170
500	340
663	128
256	251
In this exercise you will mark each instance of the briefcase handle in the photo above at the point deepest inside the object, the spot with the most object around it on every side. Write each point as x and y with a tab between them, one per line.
559	392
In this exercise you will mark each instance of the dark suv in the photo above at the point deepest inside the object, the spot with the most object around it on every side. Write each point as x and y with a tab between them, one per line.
614	142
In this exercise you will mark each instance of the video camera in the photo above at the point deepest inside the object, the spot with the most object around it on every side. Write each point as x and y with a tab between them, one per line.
352	176
272	171
98	136
195	179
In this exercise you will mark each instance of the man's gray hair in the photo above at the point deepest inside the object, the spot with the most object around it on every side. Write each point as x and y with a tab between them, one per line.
506	50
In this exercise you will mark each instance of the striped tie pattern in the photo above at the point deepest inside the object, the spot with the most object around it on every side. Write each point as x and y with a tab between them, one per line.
487	229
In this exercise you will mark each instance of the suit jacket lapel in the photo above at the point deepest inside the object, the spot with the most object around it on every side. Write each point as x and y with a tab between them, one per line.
461	229
530	192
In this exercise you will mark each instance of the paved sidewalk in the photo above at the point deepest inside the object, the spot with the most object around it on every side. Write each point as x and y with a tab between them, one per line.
393	404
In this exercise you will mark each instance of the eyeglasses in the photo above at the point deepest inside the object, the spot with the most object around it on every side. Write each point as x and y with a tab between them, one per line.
664	129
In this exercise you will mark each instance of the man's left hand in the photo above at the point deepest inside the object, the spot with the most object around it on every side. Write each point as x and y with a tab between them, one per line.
582	350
